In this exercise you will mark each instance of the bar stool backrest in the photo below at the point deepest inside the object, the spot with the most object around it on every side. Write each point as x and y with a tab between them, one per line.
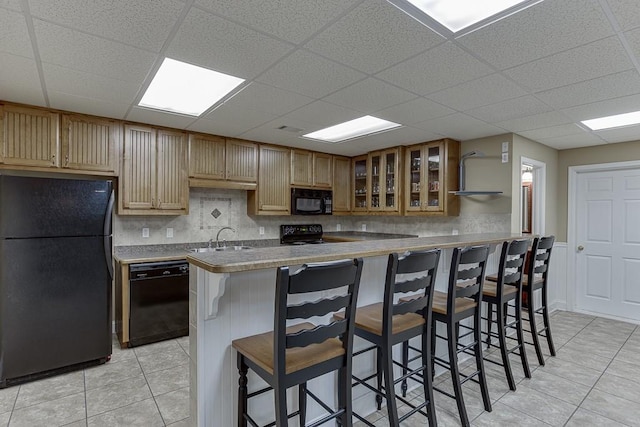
423	265
512	263
539	261
341	277
468	266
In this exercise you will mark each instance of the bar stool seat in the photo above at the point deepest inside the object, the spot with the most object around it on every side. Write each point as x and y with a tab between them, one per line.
259	349
369	318
491	289
461	304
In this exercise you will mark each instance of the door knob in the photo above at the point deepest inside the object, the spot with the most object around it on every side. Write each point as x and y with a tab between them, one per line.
580	248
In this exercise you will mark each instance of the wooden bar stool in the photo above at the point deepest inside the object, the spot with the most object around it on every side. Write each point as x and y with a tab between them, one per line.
498	295
462	301
394	321
292	355
537	278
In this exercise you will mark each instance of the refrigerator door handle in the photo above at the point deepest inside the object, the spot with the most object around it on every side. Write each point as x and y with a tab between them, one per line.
107	235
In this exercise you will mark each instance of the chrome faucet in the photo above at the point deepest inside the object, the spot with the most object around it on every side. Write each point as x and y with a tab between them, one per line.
218	235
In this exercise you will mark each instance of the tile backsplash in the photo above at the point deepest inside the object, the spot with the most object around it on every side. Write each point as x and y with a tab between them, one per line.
212	209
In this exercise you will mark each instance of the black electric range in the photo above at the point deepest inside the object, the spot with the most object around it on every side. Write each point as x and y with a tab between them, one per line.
301	234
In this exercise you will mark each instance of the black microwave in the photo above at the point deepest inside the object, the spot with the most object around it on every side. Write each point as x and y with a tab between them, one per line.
306	201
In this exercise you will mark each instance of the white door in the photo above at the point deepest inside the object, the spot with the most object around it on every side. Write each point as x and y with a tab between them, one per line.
608	243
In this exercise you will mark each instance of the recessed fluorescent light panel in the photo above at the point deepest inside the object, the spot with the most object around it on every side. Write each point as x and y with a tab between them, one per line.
356	128
458	15
619	120
183	88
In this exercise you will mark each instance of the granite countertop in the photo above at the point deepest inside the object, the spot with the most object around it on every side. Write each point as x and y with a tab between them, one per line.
256	259
358	236
173	252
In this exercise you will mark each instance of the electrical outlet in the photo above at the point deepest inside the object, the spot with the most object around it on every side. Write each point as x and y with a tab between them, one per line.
454	232
505	147
505	157
169	233
261	231
145	232
338	227
364	227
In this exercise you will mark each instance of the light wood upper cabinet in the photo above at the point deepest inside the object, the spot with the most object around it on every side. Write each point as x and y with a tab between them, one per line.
273	195
341	185
322	170
220	162
431	172
242	160
376	182
154	176
29	137
301	168
311	169
90	144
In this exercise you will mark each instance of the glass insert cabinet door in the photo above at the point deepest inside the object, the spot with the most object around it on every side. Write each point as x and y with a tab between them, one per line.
360	184
424	178
390	189
375	181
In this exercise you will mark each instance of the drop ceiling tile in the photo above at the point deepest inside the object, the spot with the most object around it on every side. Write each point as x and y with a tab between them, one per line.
83	52
535	121
587	62
14	34
405	135
145	24
155	117
64	101
610	107
231	121
414	111
310	75
439	68
526	105
14	5
269	132
321	114
599	89
292	20
81	84
633	37
552	132
459	126
476	93
369	95
544	29
572	141
210	41
622	134
267	98
19	80
627	13
373	36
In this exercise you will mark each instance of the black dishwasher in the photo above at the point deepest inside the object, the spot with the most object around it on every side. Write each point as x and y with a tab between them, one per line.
159	301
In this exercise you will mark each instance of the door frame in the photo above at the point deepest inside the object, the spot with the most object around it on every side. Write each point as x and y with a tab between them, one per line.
539	194
572	216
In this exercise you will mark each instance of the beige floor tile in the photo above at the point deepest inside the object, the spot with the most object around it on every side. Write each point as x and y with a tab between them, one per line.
139	414
165	359
174	406
619	386
50	389
614	407
4	419
539	405
557	387
167	380
505	416
8	398
109	373
117	395
624	370
57	412
571	371
584	418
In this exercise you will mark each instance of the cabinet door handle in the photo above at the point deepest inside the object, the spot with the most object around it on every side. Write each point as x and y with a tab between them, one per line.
66	160
53	159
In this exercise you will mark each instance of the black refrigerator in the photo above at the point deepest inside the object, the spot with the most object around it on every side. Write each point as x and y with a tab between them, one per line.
55	275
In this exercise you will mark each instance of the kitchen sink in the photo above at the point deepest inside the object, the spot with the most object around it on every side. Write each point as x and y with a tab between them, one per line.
222	249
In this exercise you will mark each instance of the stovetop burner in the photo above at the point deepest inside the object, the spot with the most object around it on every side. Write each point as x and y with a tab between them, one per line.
301	234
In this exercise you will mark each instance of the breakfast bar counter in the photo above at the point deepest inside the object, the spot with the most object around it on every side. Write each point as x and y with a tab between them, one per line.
232	296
